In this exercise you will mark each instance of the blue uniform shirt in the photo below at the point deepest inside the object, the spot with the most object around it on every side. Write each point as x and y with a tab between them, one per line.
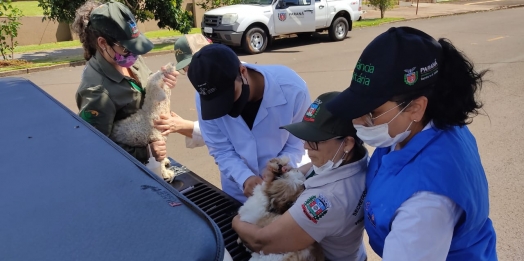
445	162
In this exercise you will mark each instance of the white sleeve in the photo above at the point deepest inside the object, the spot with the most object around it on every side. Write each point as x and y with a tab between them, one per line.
422	228
294	147
197	140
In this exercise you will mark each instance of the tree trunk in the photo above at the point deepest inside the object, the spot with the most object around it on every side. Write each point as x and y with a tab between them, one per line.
12	48
382	11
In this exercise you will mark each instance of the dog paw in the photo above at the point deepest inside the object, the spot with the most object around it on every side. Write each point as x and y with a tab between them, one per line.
168	174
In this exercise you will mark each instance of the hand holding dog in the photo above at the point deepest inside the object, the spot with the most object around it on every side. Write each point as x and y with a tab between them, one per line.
172	123
250	184
170	78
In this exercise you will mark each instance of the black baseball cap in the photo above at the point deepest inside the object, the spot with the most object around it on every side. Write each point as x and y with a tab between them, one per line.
398	61
213	71
319	124
116	21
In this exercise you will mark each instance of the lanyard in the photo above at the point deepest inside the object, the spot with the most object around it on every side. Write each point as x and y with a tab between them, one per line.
311	175
138	88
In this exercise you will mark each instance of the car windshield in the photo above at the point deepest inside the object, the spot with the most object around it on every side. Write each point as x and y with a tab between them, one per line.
256	2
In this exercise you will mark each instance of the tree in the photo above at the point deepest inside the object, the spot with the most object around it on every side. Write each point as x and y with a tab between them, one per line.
212	4
9	28
382	5
169	13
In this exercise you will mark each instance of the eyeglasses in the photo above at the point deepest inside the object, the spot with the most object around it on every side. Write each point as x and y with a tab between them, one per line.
370	120
124	50
314	144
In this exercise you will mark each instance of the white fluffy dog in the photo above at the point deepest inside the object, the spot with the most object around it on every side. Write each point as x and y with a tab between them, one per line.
138	129
272	199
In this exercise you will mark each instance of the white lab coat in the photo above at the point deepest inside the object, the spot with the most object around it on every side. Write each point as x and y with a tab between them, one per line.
196	140
240	152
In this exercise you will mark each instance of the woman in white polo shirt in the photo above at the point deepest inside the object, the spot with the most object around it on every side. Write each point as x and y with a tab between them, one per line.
329	211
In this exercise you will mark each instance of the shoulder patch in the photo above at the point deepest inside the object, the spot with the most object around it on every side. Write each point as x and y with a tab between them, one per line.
316	207
88	115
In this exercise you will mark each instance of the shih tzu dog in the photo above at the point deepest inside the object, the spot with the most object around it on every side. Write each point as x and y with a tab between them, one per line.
272	199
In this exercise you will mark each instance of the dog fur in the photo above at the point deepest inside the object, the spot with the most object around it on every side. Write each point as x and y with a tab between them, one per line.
138	129
272	199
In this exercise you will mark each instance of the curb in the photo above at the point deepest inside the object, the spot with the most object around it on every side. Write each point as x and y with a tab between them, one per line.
65	65
470	12
460	13
509	6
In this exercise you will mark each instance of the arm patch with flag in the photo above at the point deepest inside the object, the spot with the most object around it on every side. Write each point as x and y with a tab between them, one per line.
316	207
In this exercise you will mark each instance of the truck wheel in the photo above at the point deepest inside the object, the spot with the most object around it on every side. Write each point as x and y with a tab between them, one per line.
255	40
339	29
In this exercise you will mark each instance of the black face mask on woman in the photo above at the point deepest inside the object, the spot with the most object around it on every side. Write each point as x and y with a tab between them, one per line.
241	102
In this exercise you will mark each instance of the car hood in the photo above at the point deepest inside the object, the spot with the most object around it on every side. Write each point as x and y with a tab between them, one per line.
237	9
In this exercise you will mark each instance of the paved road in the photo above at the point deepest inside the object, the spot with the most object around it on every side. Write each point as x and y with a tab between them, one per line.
487	2
492	40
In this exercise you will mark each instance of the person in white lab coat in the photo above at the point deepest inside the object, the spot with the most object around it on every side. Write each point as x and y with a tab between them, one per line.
240	109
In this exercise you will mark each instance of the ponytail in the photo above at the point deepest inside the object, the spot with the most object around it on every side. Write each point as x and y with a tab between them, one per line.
88	36
452	101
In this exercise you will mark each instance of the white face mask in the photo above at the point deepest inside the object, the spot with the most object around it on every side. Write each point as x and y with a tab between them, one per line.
378	136
330	164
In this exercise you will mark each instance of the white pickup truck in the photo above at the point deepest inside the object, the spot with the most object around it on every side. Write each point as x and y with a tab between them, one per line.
253	24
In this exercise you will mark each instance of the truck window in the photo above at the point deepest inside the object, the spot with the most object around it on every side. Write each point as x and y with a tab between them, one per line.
297	2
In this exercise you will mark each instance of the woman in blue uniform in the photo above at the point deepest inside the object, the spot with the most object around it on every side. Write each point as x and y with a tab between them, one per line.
411	97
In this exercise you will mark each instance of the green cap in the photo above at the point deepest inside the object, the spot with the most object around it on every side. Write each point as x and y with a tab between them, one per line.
319	124
183	53
116	21
186	46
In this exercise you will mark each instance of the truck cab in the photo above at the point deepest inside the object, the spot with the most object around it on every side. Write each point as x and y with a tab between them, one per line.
253	24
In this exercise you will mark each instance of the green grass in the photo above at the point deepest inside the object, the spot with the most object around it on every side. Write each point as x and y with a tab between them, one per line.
375	21
41	63
46	47
29	8
168	33
162	47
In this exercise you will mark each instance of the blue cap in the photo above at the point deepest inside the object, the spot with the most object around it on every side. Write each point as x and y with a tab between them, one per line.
398	61
213	71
